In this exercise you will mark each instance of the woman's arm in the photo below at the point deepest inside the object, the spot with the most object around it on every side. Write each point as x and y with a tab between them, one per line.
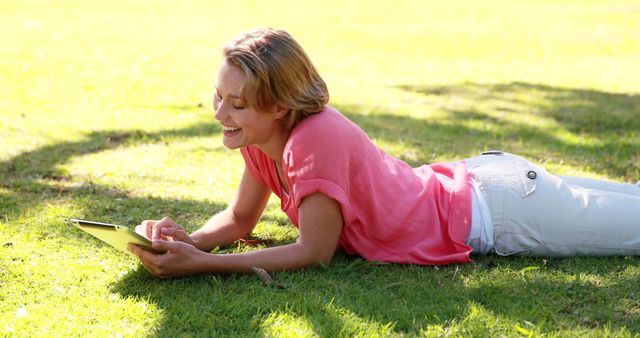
238	219
320	227
235	222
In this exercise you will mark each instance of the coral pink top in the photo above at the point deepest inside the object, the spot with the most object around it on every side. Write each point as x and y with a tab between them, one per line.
392	213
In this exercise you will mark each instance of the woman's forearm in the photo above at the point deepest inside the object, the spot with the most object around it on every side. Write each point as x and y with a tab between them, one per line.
221	229
287	257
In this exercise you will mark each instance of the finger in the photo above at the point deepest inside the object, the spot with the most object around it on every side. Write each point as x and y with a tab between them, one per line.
168	231
148	260
167	234
177	233
164	222
148	227
140	230
165	246
136	251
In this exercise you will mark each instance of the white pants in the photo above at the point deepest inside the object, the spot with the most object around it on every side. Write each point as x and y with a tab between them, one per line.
534	212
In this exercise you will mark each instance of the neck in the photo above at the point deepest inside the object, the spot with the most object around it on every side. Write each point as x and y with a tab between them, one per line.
274	148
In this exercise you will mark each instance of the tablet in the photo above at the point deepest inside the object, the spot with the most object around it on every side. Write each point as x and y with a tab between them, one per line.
117	236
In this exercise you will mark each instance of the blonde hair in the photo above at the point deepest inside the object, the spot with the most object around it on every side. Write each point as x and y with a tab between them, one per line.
278	71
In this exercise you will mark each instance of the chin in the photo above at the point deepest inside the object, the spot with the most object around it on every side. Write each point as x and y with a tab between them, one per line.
232	145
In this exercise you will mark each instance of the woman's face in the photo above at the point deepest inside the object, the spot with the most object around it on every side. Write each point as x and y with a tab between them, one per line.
242	124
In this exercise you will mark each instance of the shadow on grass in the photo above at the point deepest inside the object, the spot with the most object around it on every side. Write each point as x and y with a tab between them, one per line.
582	111
37	177
43	162
354	296
584	128
479	117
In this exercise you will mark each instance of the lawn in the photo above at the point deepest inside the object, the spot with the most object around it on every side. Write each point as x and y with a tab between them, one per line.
105	114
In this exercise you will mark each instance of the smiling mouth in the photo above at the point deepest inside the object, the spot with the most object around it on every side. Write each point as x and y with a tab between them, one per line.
227	129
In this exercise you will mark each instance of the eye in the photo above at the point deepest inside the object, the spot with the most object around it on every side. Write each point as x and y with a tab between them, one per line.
238	107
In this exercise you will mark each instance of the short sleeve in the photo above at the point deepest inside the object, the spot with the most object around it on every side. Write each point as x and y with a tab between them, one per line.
252	161
304	188
319	158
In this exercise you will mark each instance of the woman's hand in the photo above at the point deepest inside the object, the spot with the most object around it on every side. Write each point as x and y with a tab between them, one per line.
179	259
320	222
164	229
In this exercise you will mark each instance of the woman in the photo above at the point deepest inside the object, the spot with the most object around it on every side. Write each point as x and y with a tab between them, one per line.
343	192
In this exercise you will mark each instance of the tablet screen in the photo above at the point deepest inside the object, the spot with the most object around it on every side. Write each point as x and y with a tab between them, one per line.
117	236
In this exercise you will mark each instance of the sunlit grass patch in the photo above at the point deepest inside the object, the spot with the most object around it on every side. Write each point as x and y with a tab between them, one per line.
197	168
106	115
287	325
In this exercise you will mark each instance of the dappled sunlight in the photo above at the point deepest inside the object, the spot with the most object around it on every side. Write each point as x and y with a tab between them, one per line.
546	290
61	285
188	169
588	131
538	105
6	194
287	324
43	220
275	230
127	176
106	115
348	323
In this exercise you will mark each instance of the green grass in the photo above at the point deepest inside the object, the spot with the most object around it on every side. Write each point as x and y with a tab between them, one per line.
105	114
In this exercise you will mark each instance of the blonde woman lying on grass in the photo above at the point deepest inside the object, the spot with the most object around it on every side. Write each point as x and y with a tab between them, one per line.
344	193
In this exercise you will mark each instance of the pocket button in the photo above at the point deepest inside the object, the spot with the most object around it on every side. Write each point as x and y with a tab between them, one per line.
532	175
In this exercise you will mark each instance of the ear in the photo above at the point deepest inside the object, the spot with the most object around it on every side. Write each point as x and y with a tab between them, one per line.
280	111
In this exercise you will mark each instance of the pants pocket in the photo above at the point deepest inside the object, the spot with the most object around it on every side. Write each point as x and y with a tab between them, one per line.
527	180
515	235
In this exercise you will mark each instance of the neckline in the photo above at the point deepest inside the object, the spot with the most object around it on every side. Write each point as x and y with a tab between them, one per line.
283	192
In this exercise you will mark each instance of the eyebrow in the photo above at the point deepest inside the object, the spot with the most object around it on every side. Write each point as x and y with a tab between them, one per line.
231	96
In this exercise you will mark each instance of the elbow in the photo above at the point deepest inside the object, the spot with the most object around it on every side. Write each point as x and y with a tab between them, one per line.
319	262
326	261
244	224
313	257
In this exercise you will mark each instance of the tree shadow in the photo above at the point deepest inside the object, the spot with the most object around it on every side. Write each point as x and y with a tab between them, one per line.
583	111
42	163
37	178
334	305
220	305
581	127
479	117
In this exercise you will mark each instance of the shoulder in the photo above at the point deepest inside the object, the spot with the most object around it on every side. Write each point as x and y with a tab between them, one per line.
326	143
326	129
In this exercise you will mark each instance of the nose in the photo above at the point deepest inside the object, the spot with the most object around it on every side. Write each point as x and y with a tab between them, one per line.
220	112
